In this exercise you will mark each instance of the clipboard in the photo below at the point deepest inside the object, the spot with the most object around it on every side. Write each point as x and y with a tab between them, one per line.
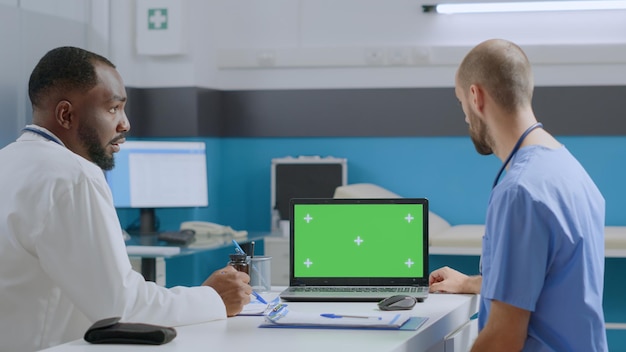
282	317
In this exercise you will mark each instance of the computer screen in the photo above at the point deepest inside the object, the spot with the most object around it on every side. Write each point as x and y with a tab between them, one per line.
159	174
359	240
304	177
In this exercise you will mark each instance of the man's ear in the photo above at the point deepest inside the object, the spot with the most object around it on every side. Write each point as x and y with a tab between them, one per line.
63	114
477	98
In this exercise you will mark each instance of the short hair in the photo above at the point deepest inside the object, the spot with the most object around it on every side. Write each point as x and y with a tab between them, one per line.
64	69
502	69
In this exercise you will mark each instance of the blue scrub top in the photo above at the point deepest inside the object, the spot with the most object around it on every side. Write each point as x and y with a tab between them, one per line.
543	250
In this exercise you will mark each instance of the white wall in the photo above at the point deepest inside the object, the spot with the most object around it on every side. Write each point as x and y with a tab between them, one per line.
28	29
324	44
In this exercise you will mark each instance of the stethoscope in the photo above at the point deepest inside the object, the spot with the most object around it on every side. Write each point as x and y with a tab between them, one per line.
506	162
515	149
41	133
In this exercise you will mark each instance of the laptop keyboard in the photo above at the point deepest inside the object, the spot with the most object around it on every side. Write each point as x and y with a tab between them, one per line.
392	289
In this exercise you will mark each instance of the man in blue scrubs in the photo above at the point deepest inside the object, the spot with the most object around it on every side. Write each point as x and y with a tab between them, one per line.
542	261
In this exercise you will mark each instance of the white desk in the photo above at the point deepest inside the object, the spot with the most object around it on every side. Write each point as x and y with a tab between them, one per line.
447	313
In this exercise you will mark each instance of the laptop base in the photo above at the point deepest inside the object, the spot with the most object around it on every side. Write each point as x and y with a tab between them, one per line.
312	295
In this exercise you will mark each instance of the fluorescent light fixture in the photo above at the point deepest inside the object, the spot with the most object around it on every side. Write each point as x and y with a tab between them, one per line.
527	6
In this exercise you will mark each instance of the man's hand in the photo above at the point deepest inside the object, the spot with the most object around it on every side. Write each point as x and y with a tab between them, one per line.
232	286
449	280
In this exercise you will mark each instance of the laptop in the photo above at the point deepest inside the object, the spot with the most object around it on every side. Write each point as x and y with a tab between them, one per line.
357	249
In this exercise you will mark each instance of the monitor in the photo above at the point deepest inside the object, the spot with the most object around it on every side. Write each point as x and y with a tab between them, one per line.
303	177
159	174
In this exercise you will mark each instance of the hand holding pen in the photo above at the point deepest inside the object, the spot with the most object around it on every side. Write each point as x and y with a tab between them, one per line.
240	251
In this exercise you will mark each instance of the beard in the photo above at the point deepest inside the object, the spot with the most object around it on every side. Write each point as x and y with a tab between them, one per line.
97	153
480	135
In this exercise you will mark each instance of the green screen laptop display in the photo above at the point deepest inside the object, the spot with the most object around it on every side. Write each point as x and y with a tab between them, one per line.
358	239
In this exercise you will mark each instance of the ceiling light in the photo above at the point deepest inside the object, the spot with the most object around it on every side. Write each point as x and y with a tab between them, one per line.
528	6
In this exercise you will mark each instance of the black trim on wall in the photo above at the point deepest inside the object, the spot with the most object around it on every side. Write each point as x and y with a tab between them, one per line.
379	112
174	112
599	110
343	112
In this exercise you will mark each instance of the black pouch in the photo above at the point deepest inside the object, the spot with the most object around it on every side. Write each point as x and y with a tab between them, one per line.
110	330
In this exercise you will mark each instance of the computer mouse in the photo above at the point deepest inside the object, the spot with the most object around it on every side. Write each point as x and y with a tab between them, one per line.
397	302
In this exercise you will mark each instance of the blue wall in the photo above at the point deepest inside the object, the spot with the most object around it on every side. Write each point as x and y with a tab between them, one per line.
447	170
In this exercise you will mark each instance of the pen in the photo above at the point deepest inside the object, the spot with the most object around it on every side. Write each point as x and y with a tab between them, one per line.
258	296
336	316
238	248
251	249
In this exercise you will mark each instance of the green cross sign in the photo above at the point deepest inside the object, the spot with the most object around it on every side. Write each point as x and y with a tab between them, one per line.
157	19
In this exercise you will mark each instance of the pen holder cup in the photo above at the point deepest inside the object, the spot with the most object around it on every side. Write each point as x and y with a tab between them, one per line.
260	273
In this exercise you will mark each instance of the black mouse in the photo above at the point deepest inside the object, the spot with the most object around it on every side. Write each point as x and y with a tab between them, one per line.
397	302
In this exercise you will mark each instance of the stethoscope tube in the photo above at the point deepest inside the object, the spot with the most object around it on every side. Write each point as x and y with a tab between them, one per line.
515	149
41	133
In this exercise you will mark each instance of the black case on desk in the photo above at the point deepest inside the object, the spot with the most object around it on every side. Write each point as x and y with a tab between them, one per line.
112	331
303	177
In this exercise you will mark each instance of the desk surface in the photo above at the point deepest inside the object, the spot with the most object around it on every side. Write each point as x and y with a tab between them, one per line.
445	312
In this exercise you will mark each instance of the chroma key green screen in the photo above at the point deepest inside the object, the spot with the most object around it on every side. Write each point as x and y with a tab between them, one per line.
358	240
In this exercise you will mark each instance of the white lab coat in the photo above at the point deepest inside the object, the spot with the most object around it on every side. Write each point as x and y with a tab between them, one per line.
63	262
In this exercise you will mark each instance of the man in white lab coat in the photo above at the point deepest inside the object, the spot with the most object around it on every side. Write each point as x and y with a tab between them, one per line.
63	262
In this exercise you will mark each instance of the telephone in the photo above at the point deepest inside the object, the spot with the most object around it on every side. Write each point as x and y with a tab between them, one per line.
209	229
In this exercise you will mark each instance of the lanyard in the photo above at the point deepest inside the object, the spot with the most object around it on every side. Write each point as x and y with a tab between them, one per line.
41	133
515	149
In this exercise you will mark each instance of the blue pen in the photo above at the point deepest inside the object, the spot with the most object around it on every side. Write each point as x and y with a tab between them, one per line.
337	316
258	296
238	248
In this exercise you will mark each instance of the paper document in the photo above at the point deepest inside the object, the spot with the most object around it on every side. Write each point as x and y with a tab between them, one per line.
283	317
256	307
